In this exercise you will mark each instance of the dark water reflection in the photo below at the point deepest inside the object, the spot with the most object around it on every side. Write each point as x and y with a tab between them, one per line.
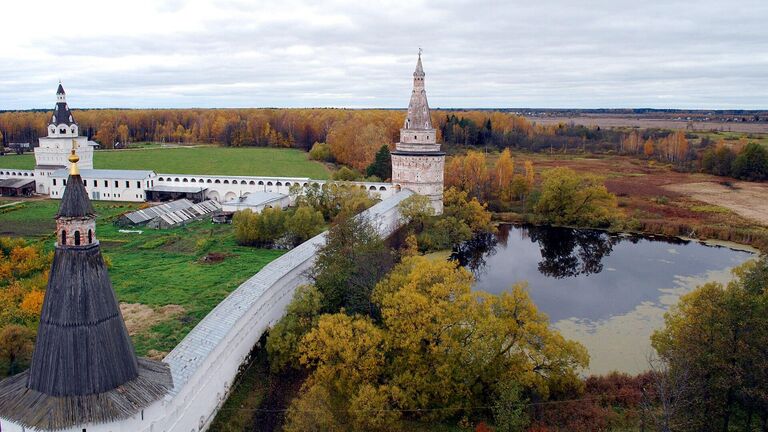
608	291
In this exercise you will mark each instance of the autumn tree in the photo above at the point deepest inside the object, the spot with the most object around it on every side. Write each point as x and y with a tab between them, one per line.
303	224
16	343
648	147
439	349
106	134
416	210
462	218
300	317
123	134
569	198
468	173
355	143
321	152
717	338
503	172
632	143
346	174
259	229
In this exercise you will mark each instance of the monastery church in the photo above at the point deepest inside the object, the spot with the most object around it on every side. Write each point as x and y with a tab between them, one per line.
85	375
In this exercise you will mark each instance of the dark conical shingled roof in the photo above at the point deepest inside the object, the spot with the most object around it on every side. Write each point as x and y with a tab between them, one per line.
60	90
62	115
75	202
82	344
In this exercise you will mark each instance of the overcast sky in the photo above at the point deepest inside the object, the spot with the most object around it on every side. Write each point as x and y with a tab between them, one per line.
247	53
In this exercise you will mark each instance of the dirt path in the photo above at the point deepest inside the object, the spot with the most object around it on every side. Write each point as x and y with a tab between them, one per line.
10	204
747	199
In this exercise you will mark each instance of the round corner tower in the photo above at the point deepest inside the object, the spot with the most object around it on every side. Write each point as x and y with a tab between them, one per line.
418	163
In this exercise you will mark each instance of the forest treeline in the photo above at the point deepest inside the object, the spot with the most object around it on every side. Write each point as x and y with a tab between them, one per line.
352	137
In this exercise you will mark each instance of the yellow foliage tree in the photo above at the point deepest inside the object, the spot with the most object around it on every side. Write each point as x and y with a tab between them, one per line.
648	147
32	304
439	345
503	172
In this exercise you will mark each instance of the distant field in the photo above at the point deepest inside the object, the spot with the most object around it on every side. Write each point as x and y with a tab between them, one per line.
617	121
199	160
160	277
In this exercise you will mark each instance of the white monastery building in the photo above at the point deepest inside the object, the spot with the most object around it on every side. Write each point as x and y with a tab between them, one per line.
53	151
107	388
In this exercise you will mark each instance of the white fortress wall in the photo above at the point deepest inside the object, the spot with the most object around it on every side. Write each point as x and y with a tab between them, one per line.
224	188
205	363
219	187
6	173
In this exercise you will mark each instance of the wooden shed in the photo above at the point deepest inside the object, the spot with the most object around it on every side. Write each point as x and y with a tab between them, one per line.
15	187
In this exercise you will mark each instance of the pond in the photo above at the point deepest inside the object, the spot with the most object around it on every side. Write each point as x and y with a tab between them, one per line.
607	291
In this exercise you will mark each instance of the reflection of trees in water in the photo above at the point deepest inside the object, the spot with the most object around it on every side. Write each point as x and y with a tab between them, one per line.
472	254
567	252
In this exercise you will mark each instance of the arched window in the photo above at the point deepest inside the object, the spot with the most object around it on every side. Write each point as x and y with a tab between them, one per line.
77	238
63	237
90	236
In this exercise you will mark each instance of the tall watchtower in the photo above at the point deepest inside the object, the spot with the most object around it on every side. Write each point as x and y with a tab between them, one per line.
418	163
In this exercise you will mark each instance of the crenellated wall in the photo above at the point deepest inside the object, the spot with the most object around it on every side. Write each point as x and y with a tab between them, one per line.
205	364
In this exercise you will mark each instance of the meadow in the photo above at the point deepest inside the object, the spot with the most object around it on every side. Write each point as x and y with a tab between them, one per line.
166	280
254	161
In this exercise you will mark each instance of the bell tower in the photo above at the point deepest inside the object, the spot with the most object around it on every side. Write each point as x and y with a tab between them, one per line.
418	163
84	369
53	152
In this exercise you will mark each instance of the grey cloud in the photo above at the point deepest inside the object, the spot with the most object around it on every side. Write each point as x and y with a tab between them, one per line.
706	54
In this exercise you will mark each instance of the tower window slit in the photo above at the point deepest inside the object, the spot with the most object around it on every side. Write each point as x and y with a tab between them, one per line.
77	238
63	237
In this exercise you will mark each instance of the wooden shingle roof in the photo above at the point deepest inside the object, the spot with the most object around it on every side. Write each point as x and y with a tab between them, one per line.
75	202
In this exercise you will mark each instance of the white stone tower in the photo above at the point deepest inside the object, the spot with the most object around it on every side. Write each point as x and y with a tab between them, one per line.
417	162
53	152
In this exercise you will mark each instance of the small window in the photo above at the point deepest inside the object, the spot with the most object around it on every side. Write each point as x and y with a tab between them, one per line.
62	130
65	182
90	236
106	183
138	184
127	184
63	237
54	182
116	183
77	238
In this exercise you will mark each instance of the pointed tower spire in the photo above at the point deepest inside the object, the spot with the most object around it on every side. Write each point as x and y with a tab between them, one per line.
417	162
418	117
84	369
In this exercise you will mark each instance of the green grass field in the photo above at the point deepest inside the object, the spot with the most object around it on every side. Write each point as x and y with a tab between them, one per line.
157	267
199	160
